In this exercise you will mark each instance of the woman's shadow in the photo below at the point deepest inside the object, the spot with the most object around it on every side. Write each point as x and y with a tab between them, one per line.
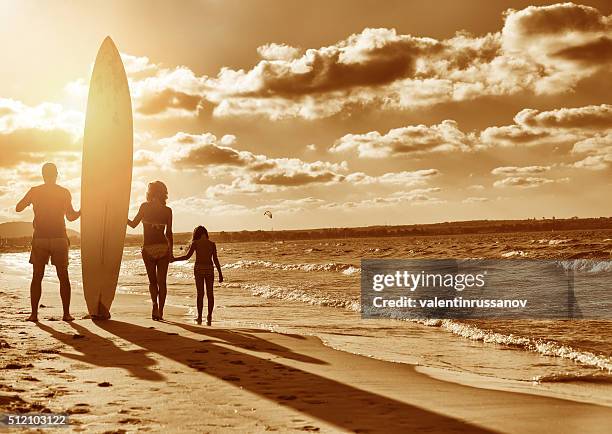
339	404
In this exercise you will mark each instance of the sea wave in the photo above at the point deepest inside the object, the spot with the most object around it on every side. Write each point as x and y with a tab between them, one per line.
569	377
544	347
307	297
589	266
513	253
468	331
347	269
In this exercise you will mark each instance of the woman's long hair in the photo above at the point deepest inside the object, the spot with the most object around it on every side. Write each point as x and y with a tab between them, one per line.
157	191
198	232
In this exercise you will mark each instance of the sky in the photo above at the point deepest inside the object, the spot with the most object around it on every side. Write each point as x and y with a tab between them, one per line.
327	113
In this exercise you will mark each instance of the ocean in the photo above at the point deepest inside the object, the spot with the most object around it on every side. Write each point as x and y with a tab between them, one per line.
319	283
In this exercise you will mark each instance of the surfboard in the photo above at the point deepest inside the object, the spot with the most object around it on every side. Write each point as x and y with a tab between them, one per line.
106	179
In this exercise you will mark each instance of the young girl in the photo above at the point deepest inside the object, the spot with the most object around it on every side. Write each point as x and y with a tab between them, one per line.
206	254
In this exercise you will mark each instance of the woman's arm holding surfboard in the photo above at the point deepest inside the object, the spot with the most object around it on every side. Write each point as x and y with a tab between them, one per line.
137	219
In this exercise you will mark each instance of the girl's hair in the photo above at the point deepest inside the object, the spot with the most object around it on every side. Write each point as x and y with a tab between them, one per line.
198	232
157	191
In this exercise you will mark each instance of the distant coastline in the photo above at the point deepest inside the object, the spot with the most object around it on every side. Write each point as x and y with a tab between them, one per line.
21	241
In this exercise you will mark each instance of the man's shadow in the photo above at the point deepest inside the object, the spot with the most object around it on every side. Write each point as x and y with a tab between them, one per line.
322	398
100	351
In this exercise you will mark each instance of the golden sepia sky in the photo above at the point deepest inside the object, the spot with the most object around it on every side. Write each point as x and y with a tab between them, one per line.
327	113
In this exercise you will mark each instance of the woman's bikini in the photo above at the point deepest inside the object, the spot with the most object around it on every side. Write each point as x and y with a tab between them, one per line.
157	250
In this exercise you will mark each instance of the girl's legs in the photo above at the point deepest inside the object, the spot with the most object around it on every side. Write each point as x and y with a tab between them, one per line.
210	295
153	289
199	279
162	273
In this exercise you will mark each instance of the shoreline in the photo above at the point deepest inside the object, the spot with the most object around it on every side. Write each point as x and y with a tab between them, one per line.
243	379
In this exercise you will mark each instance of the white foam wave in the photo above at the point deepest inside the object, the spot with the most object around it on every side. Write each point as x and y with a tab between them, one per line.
567	377
307	297
590	266
513	253
347	269
547	348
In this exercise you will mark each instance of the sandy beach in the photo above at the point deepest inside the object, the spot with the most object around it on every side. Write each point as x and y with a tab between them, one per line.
134	374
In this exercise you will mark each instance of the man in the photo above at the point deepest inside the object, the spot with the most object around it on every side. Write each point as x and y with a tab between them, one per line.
51	204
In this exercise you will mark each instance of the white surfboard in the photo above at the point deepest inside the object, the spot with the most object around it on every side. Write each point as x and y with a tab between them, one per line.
106	179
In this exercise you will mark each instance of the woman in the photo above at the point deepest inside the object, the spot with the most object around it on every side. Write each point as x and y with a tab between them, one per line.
156	220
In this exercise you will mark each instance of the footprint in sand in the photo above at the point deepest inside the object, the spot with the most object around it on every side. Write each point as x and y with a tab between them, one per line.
17	366
130	420
230	378
104	384
79	409
30	378
313	401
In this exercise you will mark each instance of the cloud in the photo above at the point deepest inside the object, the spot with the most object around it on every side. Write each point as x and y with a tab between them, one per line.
545	49
595	162
410	140
275	51
399	198
473	200
156	91
194	205
563	125
598	151
291	206
593	52
526	181
256	173
406	178
168	100
570	41
540	49
204	150
36	133
519	171
593	117
248	170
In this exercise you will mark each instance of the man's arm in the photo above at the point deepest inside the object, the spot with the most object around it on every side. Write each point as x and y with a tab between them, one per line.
71	214
137	219
25	202
217	264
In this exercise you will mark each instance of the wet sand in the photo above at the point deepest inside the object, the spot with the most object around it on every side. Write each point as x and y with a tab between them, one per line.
134	374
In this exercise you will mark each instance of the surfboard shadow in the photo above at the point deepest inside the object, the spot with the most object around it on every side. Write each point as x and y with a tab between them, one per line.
337	403
136	363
